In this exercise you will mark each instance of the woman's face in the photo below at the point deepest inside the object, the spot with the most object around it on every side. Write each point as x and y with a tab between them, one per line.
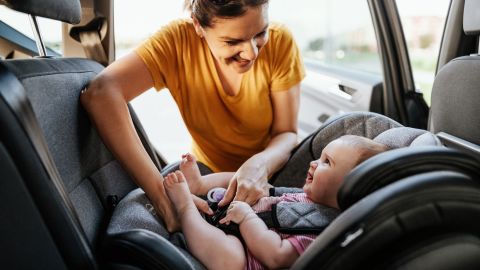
236	42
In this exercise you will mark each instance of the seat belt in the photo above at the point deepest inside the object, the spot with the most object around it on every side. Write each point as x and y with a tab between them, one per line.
91	32
288	217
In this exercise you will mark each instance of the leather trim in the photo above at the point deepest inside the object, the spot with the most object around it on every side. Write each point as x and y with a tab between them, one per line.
143	249
388	167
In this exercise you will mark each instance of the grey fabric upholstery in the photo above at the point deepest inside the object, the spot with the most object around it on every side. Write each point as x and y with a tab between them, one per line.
370	125
355	123
455	109
405	136
471	20
89	172
65	10
292	216
135	211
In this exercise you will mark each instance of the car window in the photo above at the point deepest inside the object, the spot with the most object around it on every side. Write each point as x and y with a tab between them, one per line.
331	34
423	23
157	111
51	30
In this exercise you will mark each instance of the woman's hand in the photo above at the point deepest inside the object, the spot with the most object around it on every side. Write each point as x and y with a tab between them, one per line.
249	184
237	212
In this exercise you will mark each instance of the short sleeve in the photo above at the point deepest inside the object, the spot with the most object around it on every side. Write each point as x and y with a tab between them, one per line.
301	242
159	53
287	65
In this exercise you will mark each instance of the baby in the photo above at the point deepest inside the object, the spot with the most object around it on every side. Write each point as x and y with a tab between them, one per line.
265	248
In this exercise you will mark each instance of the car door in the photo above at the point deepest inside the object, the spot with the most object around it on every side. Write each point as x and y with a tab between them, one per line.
409	35
357	56
341	56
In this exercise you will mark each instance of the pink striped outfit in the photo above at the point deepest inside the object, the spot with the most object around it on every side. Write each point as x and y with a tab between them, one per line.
299	242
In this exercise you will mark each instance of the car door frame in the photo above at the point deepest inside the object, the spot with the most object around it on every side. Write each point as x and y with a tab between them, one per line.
402	101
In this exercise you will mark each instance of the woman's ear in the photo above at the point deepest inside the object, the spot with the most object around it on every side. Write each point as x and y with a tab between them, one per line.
198	27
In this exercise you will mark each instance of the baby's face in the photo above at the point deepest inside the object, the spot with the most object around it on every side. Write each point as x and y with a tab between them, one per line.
325	175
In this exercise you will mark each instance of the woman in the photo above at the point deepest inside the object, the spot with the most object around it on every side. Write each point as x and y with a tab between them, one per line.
235	79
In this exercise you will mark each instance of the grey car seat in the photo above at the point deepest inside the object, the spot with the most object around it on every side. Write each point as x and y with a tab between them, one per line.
59	183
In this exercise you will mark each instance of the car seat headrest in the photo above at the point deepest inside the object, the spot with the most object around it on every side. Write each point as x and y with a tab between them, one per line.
405	136
366	124
471	19
66	10
391	166
455	98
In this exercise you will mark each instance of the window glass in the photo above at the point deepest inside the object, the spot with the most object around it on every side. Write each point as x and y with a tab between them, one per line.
330	33
135	22
50	30
423	23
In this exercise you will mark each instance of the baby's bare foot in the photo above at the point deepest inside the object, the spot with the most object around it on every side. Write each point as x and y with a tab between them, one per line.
190	170
178	193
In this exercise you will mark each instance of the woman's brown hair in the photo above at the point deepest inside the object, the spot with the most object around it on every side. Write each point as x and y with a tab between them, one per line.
206	10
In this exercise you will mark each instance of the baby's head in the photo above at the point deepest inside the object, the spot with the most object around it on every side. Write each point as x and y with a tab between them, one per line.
338	158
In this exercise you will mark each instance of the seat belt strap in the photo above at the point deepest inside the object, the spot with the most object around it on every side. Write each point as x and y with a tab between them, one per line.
92	45
91	32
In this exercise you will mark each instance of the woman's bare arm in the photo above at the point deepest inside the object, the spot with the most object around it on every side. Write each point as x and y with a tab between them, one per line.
106	101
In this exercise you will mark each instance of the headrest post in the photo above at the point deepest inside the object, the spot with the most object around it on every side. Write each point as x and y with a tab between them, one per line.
42	52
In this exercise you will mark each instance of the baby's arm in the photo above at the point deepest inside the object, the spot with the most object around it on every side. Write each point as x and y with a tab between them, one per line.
266	245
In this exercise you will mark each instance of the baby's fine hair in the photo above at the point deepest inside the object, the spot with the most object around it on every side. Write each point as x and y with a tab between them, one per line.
366	147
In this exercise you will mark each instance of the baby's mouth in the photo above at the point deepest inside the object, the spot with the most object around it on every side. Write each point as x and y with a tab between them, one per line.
309	178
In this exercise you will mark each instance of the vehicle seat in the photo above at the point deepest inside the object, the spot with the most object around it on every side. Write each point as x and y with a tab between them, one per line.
455	110
59	181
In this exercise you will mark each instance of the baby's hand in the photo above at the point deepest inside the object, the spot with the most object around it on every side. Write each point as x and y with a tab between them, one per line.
237	211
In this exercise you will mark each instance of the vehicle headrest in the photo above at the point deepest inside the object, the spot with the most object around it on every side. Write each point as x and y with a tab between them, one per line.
66	10
471	18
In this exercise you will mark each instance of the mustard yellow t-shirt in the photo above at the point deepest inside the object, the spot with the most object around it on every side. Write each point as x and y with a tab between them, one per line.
226	130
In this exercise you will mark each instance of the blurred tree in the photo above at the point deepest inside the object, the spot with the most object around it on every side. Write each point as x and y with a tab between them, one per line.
426	40
316	44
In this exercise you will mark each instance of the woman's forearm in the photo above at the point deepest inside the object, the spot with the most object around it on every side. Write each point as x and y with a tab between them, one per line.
109	112
277	153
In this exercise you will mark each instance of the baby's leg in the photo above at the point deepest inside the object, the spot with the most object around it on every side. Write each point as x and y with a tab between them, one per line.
198	184
210	245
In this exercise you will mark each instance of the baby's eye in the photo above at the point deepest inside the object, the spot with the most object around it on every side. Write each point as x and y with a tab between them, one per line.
326	161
